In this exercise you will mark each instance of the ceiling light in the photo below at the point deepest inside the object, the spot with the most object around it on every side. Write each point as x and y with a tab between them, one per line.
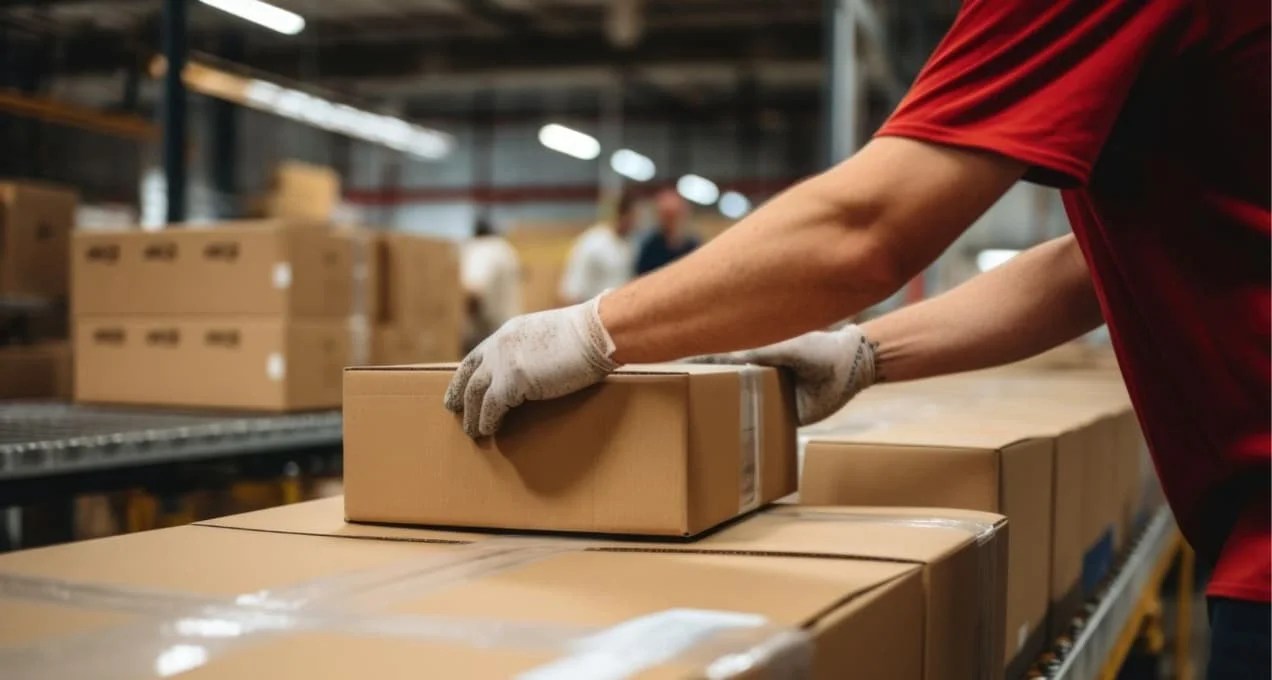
734	205
263	13
698	189
377	128
569	141
992	257
633	165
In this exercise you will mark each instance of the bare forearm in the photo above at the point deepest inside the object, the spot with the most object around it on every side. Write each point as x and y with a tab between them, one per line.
818	253
1039	299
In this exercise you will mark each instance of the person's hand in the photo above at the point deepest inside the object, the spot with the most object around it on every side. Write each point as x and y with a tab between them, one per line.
536	356
830	368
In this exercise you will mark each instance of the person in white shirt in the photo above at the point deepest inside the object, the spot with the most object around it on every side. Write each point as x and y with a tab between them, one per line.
602	256
491	273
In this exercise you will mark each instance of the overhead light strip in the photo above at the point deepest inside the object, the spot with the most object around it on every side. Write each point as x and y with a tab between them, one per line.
261	13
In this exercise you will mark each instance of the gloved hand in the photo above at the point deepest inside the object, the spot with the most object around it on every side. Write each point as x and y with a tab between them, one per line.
830	368
535	356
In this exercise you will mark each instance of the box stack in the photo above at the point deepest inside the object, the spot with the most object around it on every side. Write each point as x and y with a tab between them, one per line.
1058	452
300	191
36	221
419	314
258	315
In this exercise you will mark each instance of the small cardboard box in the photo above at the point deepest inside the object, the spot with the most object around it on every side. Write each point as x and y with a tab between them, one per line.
36	221
302	191
954	461
256	363
265	267
668	450
40	371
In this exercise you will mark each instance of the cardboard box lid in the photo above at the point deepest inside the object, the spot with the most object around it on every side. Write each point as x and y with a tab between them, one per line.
949	430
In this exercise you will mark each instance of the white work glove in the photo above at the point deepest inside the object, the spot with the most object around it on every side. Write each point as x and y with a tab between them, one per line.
531	357
830	368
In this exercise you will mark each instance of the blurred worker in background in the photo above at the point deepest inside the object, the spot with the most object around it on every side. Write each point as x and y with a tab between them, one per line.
491	275
669	241
1152	117
601	257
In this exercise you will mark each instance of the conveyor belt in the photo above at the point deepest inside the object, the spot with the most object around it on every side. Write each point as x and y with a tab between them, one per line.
1102	643
48	439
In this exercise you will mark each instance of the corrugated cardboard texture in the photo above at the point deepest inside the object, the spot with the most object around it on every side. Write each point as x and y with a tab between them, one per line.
865	616
266	267
36	371
36	220
232	362
657	453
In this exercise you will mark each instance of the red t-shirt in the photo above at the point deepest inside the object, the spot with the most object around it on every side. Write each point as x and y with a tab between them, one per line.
1153	116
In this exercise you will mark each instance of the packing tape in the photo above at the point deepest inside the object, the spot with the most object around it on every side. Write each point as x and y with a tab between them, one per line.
751	436
178	632
989	663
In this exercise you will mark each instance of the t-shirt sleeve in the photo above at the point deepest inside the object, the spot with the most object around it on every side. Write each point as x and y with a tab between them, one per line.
1040	81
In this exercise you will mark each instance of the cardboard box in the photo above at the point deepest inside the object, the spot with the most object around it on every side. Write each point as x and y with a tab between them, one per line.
956	462
40	371
402	345
302	191
614	613
963	554
256	363
419	280
661	450
262	267
827	594
36	221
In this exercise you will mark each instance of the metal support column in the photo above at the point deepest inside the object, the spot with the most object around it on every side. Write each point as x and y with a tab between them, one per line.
842	87
223	137
174	107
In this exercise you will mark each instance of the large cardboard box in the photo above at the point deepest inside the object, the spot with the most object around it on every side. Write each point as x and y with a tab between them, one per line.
36	220
952	461
258	363
40	371
790	598
255	267
662	450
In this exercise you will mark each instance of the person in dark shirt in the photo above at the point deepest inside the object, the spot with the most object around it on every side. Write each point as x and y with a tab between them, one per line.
669	242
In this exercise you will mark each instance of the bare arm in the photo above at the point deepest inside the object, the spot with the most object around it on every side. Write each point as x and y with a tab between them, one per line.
1036	301
821	251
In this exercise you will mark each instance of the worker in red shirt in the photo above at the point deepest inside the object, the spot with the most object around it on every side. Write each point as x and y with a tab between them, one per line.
1152	116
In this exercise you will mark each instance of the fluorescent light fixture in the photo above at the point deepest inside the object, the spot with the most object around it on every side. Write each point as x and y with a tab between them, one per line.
394	133
698	189
992	257
263	13
569	141
734	205
633	165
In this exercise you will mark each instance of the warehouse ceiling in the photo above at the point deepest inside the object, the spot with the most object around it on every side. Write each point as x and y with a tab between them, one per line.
464	57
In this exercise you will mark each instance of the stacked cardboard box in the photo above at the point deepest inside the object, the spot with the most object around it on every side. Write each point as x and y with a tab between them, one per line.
1058	452
301	191
791	592
419	314
36	221
250	315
